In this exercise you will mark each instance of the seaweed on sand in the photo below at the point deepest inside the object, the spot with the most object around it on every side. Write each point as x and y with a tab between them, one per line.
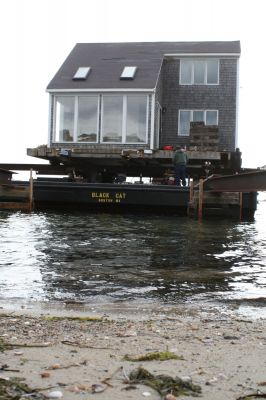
163	384
4	346
14	389
156	355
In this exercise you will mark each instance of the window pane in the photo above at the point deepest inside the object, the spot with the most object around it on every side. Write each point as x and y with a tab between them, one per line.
198	116
136	119
64	125
199	72
184	123
211	117
112	119
186	72
212	71
82	73
128	73
87	119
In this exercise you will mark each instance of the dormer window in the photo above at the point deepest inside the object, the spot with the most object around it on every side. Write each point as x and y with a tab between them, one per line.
128	73
82	73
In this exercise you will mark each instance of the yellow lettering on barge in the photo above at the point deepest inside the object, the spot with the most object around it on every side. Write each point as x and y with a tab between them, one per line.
105	200
107	197
100	195
120	196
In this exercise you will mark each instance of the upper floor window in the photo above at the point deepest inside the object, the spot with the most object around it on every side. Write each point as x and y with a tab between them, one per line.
209	117
199	72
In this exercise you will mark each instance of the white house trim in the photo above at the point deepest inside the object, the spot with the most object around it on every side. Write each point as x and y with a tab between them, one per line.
152	120
237	103
158	76
202	55
75	133
50	121
99	90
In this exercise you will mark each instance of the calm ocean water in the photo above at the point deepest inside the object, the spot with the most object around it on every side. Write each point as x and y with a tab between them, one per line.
104	258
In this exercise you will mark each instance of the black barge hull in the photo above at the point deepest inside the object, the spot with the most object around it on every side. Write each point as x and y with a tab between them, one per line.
109	197
62	195
128	197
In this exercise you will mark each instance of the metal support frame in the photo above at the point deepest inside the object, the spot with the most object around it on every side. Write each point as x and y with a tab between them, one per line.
254	181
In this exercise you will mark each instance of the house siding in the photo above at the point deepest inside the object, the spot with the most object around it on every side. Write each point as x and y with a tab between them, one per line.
220	97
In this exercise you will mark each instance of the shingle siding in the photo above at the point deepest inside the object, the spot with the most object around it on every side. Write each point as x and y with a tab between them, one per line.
220	97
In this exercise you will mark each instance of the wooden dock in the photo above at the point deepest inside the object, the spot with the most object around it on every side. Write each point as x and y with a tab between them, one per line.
221	204
226	194
17	196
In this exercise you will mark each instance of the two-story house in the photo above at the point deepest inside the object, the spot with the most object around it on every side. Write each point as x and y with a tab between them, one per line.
108	98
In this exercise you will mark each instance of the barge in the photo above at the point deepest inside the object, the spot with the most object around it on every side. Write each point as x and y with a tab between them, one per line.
119	110
141	197
60	194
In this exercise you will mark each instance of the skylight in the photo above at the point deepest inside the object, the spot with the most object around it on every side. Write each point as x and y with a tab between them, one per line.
82	73
128	72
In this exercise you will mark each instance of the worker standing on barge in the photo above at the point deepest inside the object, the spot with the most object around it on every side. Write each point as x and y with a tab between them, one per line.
180	160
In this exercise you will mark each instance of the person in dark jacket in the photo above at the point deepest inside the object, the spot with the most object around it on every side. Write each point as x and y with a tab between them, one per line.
180	160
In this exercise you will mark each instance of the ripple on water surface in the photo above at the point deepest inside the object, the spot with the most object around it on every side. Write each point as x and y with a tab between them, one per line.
112	258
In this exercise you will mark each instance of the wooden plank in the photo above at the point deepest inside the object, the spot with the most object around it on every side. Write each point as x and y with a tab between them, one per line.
240	205
200	207
218	198
31	192
14	192
10	205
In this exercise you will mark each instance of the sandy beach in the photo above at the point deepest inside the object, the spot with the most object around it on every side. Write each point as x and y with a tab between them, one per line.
82	355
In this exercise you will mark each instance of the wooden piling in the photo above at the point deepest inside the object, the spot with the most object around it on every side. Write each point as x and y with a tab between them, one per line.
200	204
31	192
191	190
240	206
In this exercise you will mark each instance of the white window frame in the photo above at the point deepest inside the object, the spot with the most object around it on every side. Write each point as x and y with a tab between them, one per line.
76	120
55	120
191	118
205	72
75	133
124	119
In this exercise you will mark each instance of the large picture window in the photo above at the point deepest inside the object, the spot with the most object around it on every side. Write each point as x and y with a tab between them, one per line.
64	128
124	119
76	118
199	72
112	119
87	123
136	126
209	117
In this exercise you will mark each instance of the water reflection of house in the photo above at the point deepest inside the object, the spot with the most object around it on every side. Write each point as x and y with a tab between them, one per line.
107	97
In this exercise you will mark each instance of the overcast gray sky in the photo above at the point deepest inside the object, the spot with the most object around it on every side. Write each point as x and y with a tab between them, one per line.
37	35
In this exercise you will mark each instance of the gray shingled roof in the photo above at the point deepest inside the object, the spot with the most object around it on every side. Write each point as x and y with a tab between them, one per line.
107	61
